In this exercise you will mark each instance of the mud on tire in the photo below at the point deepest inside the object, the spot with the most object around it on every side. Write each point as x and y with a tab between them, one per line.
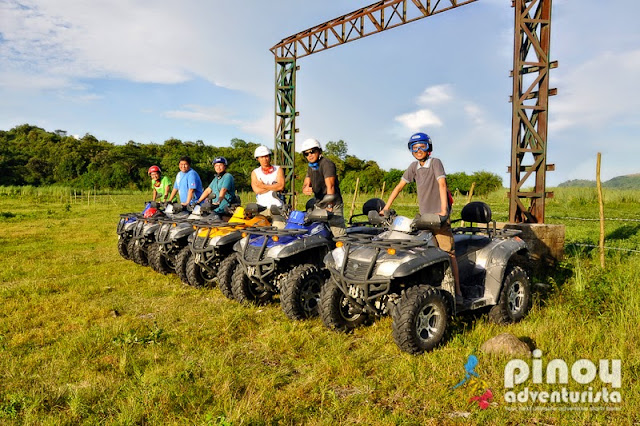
336	311
300	291
245	290
225	275
157	261
515	297
420	319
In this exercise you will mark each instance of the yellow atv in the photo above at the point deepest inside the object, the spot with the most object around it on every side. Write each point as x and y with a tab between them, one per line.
211	252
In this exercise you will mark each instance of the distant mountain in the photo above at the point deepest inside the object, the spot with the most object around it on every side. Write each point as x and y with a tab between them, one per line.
620	182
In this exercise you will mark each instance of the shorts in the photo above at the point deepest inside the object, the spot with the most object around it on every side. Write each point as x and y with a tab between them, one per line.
444	238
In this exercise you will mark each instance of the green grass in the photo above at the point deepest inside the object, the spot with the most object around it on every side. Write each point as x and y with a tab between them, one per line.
87	337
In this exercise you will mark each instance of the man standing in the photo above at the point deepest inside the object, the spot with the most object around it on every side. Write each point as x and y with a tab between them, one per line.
322	179
188	183
433	196
223	186
267	181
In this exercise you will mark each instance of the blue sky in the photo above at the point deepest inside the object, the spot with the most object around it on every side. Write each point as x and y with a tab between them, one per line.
202	70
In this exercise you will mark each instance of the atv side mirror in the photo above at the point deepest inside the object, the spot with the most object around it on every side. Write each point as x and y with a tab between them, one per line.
428	220
326	200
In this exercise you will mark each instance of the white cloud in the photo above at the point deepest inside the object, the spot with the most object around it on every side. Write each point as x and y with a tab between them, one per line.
597	93
420	119
435	95
475	113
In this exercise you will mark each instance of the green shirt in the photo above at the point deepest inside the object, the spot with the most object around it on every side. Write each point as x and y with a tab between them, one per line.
161	186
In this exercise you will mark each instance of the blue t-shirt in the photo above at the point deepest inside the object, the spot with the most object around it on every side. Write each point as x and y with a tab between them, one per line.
187	181
225	181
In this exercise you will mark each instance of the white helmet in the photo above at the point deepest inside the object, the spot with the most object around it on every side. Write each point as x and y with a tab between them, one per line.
261	151
310	143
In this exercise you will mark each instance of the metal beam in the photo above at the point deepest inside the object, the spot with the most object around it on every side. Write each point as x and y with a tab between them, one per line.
530	104
285	136
372	19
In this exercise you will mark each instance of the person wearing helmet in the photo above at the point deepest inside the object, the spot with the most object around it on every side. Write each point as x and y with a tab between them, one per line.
188	183
433	195
322	179
267	180
222	186
161	185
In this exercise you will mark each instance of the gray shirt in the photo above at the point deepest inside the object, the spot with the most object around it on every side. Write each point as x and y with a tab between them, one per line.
426	178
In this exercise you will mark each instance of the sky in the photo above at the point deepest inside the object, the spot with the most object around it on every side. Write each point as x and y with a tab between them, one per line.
145	71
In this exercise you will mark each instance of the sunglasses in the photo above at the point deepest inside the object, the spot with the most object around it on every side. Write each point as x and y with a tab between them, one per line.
419	148
308	153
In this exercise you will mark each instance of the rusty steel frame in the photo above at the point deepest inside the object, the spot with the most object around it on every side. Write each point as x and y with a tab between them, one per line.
530	110
286	122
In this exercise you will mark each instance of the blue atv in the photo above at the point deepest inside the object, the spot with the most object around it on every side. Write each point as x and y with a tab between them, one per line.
287	262
126	229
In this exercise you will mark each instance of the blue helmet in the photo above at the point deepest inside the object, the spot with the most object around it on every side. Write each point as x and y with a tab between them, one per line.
420	138
220	160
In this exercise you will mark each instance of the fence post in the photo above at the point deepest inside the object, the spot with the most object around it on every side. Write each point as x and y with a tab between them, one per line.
473	185
382	192
355	194
601	203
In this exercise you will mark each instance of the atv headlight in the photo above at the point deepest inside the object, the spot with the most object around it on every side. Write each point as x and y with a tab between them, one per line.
274	251
387	268
338	257
243	242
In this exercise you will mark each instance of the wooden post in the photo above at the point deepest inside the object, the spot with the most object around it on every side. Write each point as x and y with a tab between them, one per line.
473	185
382	192
355	194
601	203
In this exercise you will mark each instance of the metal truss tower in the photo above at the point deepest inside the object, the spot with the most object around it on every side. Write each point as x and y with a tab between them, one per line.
530	110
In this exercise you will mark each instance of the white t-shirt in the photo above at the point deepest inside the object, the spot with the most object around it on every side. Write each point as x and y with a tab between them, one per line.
268	199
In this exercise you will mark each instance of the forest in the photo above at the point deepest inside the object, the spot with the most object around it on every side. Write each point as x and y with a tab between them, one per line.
30	155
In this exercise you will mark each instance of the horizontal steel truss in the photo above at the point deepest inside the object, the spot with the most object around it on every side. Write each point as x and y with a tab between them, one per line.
530	101
360	23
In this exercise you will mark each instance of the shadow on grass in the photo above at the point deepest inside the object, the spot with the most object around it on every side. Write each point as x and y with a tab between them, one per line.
623	233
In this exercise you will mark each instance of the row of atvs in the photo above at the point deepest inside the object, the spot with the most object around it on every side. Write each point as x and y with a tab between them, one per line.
385	265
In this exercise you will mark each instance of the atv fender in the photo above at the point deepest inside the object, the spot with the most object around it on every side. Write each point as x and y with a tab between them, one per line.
496	264
425	260
298	246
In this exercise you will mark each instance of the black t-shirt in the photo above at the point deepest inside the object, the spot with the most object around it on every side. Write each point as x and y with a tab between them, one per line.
326	169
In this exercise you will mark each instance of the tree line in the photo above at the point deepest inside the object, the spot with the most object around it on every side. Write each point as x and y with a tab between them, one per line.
30	155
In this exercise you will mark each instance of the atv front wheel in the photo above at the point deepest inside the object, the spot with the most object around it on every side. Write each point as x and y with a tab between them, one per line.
245	290
420	319
122	248
515	298
336	311
300	291
137	253
197	275
181	264
157	260
225	275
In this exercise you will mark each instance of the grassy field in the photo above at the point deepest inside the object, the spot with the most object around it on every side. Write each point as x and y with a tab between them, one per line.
87	337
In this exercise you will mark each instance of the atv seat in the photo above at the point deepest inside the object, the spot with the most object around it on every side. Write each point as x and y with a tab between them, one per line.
476	212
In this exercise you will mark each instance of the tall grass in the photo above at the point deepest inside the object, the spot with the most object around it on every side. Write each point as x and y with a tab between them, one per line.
87	337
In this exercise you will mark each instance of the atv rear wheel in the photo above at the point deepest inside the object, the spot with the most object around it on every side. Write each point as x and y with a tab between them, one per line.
157	260
515	298
336	311
181	264
122	247
245	290
300	291
420	319
225	275
197	275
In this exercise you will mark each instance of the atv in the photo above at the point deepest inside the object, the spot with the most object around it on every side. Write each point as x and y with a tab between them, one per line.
403	273
126	227
287	262
169	252
211	256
